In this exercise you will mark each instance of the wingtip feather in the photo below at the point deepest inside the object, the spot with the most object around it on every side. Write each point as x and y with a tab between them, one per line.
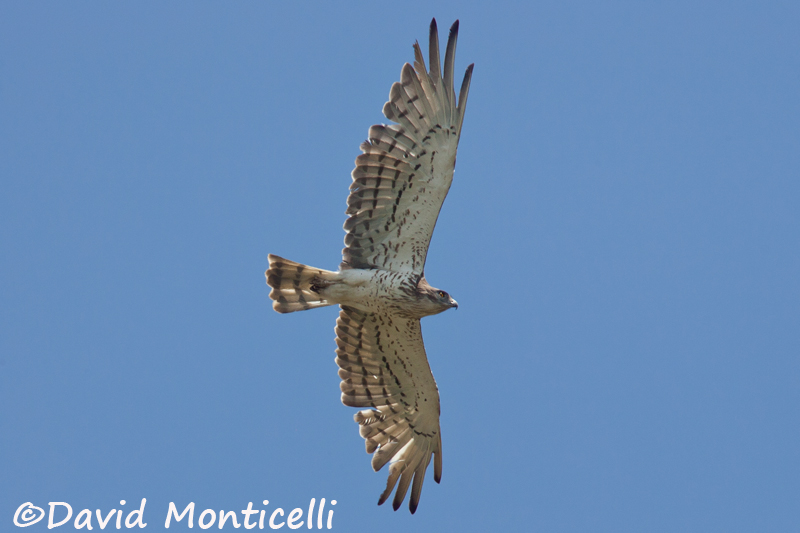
463	94
394	473
433	52
416	487
437	463
402	488
449	65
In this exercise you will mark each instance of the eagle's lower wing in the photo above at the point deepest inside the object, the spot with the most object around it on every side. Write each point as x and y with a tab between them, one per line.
402	178
384	368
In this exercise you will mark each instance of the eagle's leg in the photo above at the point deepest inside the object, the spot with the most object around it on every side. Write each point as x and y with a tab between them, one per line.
318	284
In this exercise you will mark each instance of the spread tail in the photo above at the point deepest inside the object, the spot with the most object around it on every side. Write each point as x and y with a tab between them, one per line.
296	287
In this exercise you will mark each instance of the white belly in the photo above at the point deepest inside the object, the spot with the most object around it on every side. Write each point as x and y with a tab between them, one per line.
369	290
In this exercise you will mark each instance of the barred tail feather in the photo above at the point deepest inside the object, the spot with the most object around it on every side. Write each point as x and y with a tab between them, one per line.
295	287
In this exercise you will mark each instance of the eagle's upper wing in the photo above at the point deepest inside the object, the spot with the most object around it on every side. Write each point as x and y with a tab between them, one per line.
384	368
402	178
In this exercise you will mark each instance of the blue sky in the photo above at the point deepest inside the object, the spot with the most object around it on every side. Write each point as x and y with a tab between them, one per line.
621	236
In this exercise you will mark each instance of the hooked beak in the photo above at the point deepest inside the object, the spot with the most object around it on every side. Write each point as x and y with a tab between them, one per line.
453	303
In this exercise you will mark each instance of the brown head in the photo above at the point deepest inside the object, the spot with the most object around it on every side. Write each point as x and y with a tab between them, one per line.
432	301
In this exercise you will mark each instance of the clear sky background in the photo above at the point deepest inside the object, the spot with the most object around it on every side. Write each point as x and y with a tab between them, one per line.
622	236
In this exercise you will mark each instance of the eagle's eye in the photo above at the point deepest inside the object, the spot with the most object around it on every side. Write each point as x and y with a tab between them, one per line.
442	294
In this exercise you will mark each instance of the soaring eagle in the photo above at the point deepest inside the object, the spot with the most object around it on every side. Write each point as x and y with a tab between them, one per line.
399	184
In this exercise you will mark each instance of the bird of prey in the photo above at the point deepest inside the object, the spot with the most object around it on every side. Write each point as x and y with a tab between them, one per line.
399	184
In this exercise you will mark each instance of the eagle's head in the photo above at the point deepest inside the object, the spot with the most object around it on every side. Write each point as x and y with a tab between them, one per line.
433	301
